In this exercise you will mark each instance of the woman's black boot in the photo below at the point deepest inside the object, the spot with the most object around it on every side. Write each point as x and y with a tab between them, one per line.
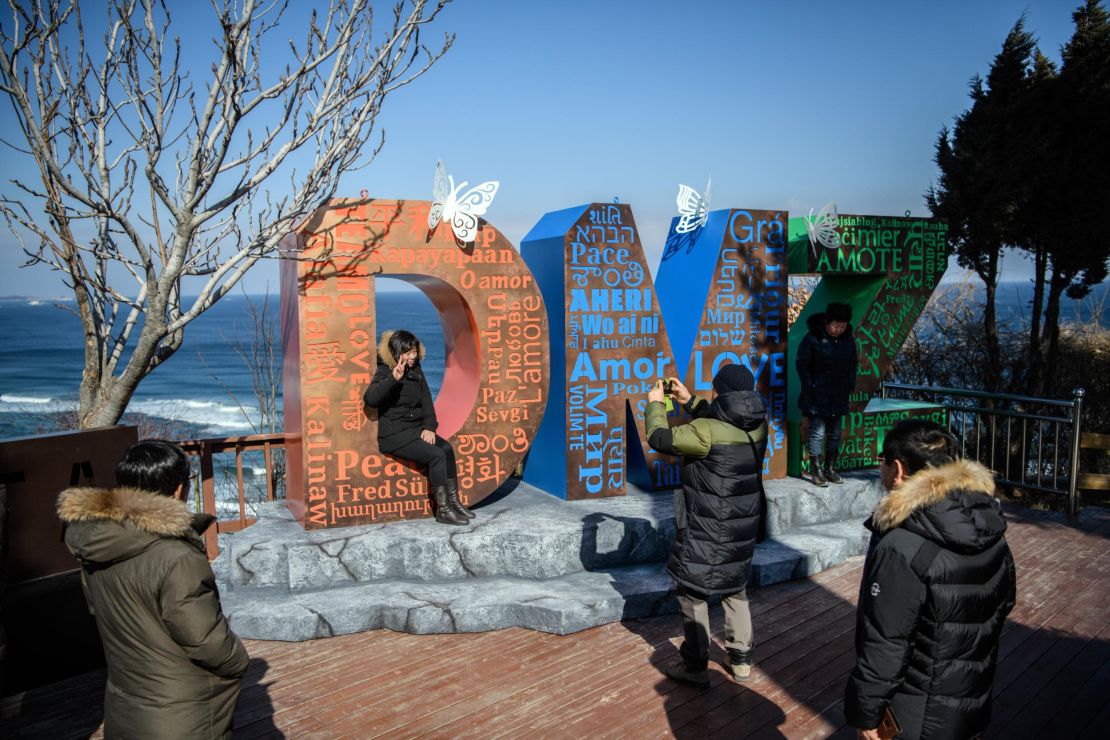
444	513
453	498
830	469
816	475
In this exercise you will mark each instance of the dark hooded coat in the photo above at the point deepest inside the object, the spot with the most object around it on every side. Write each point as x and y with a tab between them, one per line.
719	509
826	370
405	407
927	631
174	665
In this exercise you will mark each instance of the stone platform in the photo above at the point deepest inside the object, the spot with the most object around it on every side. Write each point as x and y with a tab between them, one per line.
528	560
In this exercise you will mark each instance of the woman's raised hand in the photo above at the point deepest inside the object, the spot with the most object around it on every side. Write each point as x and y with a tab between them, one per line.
399	368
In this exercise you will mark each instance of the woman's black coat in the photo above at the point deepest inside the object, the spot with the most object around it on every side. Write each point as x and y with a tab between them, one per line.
405	407
934	596
826	370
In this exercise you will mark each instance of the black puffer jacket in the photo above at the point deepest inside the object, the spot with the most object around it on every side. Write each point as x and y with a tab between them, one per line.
721	501
405	407
927	632
826	370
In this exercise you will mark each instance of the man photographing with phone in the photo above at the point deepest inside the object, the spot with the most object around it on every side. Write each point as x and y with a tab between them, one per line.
717	512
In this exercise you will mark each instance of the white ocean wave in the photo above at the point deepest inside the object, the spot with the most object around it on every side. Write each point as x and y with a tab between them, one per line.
214	416
228	507
15	403
17	398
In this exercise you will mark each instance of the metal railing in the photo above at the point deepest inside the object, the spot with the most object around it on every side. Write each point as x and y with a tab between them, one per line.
978	418
205	450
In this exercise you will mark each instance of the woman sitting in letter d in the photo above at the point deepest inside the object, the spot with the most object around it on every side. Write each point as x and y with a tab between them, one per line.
407	421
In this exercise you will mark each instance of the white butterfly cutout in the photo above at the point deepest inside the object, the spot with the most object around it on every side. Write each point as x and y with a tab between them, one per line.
693	209
823	228
461	211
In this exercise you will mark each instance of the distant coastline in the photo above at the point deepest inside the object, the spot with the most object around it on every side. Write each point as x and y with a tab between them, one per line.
388	285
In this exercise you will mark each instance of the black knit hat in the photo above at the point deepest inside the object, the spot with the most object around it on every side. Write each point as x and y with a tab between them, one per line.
838	312
733	378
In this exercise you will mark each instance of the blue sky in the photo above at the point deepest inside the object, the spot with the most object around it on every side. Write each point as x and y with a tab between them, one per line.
788	105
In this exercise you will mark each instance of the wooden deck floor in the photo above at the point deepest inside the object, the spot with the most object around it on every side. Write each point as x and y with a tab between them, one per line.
1053	677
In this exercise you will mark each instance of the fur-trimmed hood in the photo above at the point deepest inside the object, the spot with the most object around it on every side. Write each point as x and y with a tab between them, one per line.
107	525
386	357
953	505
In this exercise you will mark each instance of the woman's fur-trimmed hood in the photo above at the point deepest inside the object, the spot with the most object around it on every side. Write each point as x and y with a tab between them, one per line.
386	356
953	505
106	525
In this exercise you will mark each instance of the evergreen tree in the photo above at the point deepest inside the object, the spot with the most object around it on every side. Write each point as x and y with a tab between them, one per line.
1078	199
981	184
1039	154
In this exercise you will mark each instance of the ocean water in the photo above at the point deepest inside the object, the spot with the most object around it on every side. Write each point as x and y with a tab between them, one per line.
195	392
204	390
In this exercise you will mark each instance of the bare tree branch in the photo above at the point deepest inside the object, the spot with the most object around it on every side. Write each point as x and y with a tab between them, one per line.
146	179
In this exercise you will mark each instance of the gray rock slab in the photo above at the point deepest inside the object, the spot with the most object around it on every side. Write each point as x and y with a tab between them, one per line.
560	605
527	534
821	546
793	503
528	560
774	562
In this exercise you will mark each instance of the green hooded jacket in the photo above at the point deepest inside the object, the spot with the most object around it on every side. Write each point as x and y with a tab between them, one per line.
718	513
174	665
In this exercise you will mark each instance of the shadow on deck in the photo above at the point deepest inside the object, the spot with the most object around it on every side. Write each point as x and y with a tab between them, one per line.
1053	676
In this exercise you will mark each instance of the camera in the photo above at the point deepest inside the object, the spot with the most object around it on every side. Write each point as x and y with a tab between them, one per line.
667	385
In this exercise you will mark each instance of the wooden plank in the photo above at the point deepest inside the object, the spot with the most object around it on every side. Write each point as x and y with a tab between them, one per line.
1094	441
326	679
1022	676
775	660
354	681
1043	597
599	684
1093	482
779	639
1076	662
503	677
1053	678
575	680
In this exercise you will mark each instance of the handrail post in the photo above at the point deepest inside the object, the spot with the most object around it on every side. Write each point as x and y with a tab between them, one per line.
1076	422
882	390
208	496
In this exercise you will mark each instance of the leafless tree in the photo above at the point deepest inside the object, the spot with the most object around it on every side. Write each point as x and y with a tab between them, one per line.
147	181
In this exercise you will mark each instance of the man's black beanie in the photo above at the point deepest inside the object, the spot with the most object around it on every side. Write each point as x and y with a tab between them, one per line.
733	378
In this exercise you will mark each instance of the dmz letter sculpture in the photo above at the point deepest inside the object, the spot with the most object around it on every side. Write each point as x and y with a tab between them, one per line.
886	268
494	388
720	297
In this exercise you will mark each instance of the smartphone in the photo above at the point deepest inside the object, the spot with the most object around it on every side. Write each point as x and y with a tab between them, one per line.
668	402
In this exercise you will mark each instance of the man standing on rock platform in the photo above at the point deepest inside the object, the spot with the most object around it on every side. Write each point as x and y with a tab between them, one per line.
717	512
826	363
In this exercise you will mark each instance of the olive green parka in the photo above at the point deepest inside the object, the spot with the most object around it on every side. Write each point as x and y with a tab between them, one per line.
174	665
